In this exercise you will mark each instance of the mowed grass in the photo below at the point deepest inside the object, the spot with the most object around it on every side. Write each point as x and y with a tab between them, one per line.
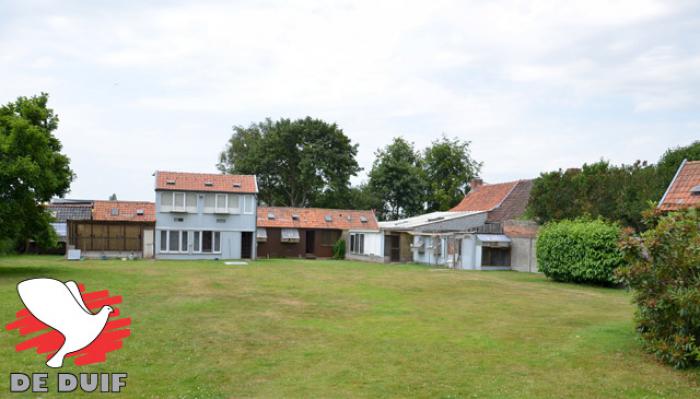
333	329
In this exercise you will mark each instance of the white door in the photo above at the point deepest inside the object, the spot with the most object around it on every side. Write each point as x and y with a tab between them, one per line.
148	243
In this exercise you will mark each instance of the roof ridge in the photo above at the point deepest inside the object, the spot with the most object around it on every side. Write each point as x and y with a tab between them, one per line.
318	209
204	173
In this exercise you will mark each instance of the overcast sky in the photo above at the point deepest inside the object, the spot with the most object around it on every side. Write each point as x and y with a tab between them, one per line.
534	85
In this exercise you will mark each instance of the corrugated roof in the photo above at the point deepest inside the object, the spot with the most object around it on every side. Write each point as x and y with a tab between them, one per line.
422	220
124	211
182	181
316	218
679	195
70	211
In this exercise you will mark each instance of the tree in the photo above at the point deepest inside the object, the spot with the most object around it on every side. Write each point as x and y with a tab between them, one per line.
113	197
448	168
304	162
397	177
32	170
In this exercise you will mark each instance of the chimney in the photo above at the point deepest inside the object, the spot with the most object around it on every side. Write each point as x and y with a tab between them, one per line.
475	182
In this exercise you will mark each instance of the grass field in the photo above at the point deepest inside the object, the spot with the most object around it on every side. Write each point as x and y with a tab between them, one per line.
292	328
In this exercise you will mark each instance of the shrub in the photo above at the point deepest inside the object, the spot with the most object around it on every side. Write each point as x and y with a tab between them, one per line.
664	272
339	249
579	251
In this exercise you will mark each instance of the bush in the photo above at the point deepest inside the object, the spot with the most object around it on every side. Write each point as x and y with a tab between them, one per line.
664	272
579	251
339	249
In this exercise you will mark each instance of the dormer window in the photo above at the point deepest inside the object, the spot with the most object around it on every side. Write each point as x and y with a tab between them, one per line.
170	182
236	185
270	216
695	190
139	212
208	183
363	219
295	216
328	218
115	212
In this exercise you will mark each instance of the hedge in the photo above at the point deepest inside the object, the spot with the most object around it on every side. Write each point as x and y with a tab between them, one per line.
580	251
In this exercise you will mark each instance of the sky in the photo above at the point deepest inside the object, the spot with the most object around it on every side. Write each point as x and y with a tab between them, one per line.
535	86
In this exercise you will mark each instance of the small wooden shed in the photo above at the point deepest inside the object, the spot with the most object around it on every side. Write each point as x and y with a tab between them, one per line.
115	229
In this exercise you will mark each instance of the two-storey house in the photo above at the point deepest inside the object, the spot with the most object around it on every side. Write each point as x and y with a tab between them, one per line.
205	216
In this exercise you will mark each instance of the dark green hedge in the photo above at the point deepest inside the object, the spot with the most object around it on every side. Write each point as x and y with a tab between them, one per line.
579	251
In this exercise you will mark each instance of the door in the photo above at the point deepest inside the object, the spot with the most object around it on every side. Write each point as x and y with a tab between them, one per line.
395	248
148	243
246	245
310	241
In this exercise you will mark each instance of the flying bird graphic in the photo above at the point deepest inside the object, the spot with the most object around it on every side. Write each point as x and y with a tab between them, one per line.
60	306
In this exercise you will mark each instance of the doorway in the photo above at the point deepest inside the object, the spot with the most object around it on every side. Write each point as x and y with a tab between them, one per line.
310	241
246	245
395	245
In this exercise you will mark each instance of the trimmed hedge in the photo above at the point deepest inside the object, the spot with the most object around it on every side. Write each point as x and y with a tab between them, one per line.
580	251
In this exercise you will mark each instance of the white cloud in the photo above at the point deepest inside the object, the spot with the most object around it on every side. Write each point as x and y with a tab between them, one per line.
534	85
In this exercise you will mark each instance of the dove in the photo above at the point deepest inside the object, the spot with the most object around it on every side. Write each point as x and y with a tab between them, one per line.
60	306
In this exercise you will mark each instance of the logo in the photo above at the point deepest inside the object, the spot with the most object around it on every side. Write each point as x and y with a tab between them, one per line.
62	314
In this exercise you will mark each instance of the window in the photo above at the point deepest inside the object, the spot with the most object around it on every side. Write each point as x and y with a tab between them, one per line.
191	200
173	241
195	244
163	241
179	202
248	203
184	237
290	235
209	202
357	243
261	235
234	203
211	242
221	205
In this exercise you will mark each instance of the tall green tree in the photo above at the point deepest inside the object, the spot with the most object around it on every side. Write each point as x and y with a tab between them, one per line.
32	170
304	162
398	178
448	168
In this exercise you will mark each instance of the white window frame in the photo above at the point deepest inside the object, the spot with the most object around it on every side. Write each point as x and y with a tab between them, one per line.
185	208
248	204
168	250
219	208
213	242
238	199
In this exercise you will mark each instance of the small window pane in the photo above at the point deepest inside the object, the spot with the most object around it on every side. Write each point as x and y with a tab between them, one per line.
163	240
184	241
179	200
233	204
174	240
196	241
217	241
166	198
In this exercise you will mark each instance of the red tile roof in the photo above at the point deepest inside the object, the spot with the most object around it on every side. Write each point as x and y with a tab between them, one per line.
678	195
126	211
179	181
503	201
315	218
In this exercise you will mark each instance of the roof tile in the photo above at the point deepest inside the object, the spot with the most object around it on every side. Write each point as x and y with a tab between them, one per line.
679	195
126	211
315	218
181	181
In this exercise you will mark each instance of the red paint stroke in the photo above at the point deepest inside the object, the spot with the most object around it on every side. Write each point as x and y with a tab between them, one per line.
110	339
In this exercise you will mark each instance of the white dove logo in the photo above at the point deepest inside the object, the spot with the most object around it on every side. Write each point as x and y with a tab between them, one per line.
60	306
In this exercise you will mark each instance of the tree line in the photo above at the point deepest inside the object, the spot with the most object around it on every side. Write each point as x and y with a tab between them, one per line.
309	163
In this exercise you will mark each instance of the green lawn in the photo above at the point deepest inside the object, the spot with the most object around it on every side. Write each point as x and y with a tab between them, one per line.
293	328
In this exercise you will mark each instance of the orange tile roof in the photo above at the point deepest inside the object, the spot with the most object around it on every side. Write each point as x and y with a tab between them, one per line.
126	211
485	198
180	181
314	218
678	195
